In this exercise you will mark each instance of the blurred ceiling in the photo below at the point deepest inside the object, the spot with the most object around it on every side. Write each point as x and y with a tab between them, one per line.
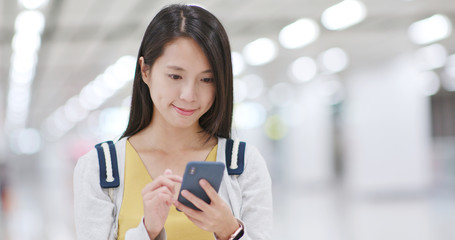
82	38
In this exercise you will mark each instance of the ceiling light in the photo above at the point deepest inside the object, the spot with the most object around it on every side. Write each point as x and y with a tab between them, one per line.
334	60
299	33
238	65
18	98
343	15
22	78
431	57
26	43
91	97
450	66
26	141
56	125
73	110
109	81
113	121
429	30
33	4
240	90
17	105
281	94
303	69
260	51
428	83
30	21
248	115
255	85
123	68
23	62
448	82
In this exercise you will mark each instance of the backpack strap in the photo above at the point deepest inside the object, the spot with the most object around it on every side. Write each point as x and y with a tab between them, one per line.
107	159
235	156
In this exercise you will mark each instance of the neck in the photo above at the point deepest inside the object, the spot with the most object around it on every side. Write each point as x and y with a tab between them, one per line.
168	138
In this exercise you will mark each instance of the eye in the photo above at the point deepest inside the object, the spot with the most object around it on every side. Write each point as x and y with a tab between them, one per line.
207	80
174	76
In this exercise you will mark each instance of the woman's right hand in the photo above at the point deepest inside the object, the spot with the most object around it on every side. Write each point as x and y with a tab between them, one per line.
157	198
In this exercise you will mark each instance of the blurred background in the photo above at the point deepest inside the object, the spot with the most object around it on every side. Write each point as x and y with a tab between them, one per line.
352	104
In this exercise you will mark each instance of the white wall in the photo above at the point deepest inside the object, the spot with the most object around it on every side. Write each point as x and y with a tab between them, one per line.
387	130
310	143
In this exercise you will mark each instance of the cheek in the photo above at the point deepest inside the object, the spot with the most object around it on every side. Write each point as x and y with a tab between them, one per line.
157	88
156	94
211	96
152	93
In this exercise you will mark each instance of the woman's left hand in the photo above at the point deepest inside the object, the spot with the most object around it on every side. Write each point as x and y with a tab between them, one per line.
215	217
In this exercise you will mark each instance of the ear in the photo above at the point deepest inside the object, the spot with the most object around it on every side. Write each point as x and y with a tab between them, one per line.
145	70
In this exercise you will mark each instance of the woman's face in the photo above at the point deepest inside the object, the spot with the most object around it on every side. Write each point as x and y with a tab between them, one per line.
181	84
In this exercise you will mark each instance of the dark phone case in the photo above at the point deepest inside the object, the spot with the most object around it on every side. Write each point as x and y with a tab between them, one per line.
195	171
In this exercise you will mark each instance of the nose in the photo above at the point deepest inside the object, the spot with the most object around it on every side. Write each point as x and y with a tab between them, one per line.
188	92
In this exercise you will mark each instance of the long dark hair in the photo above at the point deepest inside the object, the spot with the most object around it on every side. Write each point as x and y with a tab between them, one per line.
170	23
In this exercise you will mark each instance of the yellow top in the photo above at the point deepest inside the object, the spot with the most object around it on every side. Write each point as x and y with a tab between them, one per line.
177	225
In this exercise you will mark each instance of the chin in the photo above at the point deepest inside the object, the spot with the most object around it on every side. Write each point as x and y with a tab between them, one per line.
186	125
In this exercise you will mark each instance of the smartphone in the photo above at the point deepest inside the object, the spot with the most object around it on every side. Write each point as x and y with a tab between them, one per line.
195	171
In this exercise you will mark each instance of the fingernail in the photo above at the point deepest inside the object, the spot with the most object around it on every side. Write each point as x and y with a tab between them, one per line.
203	182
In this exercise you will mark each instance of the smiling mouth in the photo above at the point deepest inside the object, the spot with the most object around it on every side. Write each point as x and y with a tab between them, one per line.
184	112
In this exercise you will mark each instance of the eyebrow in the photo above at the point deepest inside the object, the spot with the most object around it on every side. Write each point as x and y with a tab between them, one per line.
182	69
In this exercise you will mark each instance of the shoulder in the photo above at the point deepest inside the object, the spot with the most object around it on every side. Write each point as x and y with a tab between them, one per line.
88	160
253	159
88	163
86	170
251	151
252	156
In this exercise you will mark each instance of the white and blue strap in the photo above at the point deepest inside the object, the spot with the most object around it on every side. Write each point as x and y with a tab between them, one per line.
235	156
107	158
109	174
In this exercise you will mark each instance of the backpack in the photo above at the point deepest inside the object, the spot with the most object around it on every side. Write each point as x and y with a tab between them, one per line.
110	179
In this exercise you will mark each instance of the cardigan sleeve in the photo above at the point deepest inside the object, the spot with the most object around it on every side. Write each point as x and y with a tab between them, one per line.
257	209
94	211
140	233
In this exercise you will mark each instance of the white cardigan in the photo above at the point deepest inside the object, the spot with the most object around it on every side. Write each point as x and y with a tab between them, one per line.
249	195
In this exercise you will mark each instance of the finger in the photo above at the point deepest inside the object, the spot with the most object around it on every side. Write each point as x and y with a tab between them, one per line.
166	198
187	210
173	177
155	198
209	190
199	203
197	217
198	222
167	181
152	194
153	186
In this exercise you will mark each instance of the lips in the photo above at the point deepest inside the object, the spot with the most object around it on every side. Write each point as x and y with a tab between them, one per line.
183	111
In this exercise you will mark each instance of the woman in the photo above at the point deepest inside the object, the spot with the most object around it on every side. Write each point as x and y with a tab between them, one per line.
181	111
